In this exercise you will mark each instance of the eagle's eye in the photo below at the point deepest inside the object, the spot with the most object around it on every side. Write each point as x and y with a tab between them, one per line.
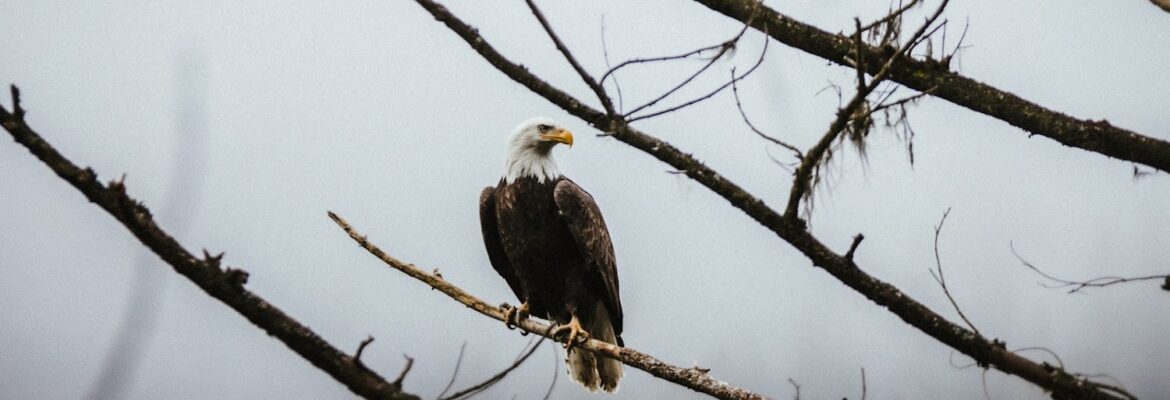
544	128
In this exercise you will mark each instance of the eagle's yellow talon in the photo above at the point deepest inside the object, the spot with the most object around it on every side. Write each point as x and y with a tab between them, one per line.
576	334
513	315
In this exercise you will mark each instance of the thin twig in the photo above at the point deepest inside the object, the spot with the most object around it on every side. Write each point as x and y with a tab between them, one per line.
893	14
742	113
710	94
588	79
727	46
455	372
556	373
942	280
479	387
683	56
688	377
1076	286
605	54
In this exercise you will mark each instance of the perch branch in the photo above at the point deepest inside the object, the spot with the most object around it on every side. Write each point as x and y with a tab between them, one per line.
691	378
1096	136
224	284
1061	383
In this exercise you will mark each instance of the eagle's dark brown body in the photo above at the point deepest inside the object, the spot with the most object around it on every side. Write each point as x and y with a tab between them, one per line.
547	239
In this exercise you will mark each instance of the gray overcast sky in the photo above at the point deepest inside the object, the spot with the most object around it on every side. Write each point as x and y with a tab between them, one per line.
374	110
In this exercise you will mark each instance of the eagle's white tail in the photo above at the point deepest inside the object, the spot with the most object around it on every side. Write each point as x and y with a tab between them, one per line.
594	371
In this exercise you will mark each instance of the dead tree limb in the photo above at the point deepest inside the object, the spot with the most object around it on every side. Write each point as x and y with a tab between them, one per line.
692	378
224	284
1060	383
922	75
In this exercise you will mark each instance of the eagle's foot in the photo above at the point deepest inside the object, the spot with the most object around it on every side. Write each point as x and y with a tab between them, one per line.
513	315
576	334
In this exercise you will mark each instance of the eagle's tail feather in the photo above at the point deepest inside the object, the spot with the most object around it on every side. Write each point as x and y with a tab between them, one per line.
594	371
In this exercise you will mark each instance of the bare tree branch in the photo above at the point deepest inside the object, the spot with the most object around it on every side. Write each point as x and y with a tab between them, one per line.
693	378
1059	382
1096	136
224	284
1076	286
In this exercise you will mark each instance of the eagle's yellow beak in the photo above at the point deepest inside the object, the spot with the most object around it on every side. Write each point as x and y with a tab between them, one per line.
559	136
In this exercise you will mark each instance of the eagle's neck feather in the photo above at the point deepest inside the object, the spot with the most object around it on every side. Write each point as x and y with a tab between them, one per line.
529	162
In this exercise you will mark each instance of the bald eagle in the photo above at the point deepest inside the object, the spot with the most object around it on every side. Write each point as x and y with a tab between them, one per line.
545	236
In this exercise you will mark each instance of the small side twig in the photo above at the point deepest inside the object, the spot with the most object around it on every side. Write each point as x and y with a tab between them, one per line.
864	389
1076	286
606	102
605	54
480	387
405	369
357	355
853	246
688	103
455	372
724	48
556	373
942	280
770	138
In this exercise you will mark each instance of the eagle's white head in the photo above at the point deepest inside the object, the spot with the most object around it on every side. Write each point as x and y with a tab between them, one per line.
530	149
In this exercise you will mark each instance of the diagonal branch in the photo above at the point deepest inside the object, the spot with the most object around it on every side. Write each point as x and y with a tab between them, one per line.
922	75
1061	383
224	284
693	378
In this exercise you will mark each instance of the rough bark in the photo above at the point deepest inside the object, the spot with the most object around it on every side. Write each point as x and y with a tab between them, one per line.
1096	136
224	284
